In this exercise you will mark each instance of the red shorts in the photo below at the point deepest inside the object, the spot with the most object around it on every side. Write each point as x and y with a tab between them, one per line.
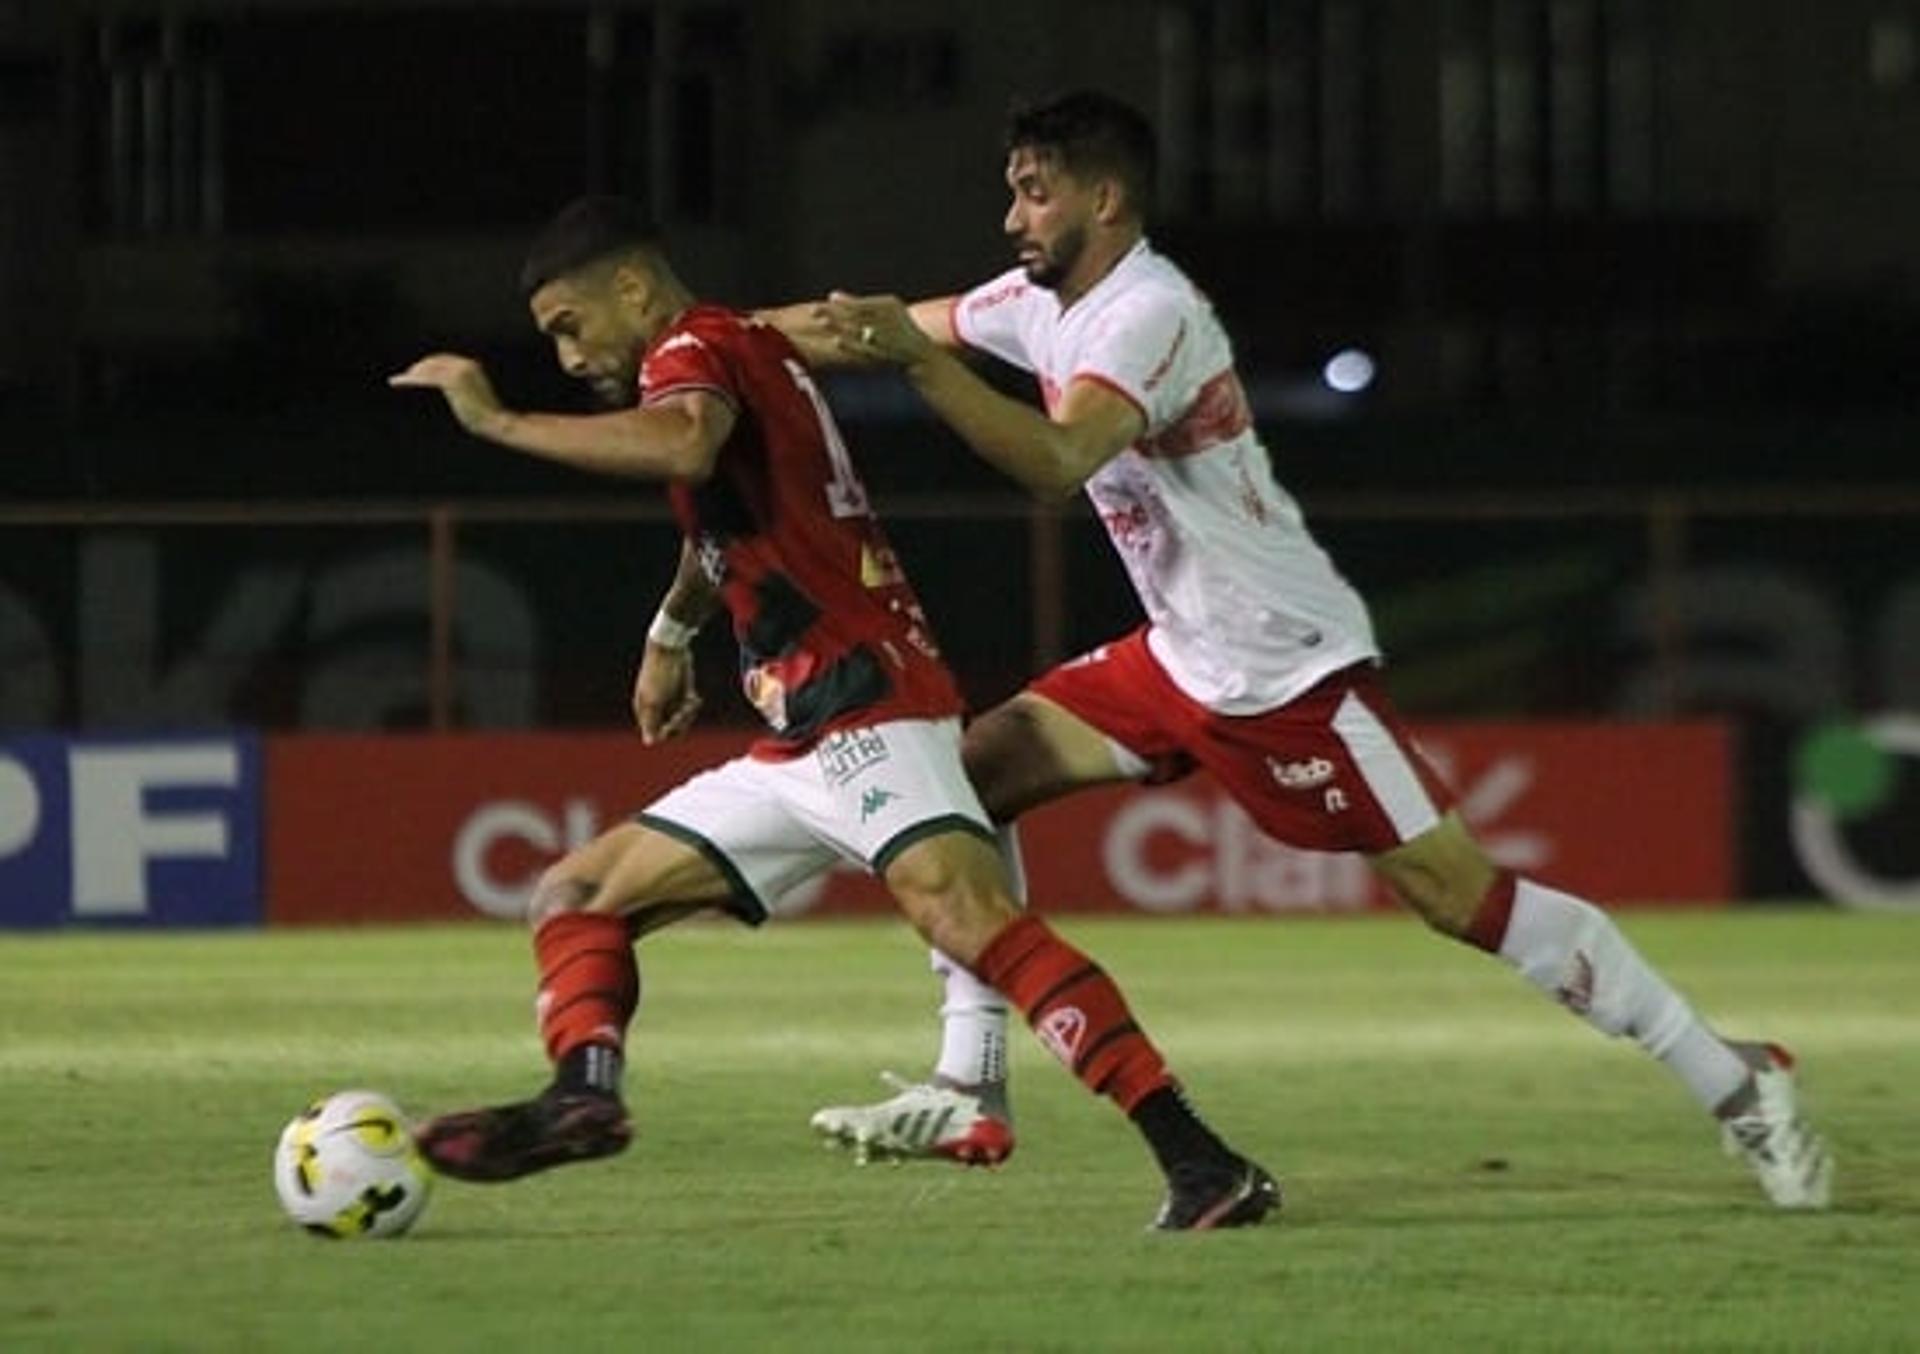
1332	770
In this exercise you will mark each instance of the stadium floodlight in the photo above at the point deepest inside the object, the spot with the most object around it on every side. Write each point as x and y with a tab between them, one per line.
1349	371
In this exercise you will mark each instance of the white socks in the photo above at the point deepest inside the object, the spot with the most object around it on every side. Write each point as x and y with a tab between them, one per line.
1573	952
973	1042
973	1036
1566	947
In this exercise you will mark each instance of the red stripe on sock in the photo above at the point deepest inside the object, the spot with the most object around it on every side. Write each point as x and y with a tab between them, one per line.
1488	929
1076	1009
589	981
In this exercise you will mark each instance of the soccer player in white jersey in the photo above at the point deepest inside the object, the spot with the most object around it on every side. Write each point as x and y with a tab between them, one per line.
1257	661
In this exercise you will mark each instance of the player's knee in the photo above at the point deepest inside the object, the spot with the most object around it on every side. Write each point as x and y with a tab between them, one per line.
989	751
964	926
1448	911
1442	875
956	903
1445	898
558	890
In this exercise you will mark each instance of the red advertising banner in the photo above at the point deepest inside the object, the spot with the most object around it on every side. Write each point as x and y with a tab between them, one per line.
400	827
411	827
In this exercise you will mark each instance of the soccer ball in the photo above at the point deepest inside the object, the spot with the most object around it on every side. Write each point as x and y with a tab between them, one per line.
347	1167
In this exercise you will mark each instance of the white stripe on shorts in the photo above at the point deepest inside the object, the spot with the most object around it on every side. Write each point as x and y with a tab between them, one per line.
1384	767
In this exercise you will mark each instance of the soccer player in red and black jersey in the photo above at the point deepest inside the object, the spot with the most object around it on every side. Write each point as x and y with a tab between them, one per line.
862	753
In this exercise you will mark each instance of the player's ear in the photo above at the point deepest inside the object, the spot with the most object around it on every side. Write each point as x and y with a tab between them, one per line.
633	287
1109	201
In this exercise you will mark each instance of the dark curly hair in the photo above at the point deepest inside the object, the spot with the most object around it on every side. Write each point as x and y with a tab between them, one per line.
1088	134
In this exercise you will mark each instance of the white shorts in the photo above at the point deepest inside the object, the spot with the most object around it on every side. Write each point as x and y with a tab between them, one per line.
861	794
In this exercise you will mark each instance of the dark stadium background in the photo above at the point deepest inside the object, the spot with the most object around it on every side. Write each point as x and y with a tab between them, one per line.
1641	279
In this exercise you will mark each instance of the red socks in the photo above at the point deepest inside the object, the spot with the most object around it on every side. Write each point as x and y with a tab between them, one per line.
589	981
1076	1010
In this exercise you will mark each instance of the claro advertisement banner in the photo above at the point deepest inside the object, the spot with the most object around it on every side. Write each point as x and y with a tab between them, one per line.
373	828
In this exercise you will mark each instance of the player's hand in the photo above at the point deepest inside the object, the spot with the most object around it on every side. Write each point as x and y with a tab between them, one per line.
874	329
462	381
665	703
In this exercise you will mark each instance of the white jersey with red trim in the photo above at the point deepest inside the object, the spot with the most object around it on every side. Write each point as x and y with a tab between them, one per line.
1246	610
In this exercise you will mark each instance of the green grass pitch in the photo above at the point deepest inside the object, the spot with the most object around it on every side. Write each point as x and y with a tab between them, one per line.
1465	1167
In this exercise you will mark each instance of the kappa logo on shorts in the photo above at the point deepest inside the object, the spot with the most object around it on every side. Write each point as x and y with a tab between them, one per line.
844	754
1301	775
873	799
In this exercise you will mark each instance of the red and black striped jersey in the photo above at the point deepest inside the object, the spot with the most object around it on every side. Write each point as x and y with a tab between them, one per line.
830	631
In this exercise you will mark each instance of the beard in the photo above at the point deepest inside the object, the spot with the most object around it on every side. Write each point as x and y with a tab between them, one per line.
614	392
1051	266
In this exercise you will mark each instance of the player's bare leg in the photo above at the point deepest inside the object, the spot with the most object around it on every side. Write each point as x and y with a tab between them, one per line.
950	886
1023	752
586	913
964	1112
1574	953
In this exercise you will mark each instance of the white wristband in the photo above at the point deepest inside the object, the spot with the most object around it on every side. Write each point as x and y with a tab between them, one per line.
669	633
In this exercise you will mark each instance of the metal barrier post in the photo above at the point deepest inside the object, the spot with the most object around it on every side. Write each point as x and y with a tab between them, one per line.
441	563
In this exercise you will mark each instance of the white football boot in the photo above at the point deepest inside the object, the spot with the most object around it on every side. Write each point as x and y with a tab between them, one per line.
1790	1159
921	1120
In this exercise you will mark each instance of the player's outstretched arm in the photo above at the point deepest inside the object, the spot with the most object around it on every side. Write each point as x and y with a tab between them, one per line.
674	438
1051	455
810	328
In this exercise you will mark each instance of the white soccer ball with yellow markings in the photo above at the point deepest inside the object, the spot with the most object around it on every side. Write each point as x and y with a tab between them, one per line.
347	1167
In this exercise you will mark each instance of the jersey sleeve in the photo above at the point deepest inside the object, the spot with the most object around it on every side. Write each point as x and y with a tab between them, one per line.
688	361
1142	348
992	318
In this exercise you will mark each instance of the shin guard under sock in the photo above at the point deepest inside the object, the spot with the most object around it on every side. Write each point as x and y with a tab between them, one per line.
1076	1010
589	981
1574	953
973	1036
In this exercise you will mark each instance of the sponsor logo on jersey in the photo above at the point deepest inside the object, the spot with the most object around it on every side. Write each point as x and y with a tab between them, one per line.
1159	373
766	693
680	340
1301	775
1062	1030
1218	414
1336	800
845	753
873	799
880	567
711	556
1250	500
918	636
1128	526
1000	295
